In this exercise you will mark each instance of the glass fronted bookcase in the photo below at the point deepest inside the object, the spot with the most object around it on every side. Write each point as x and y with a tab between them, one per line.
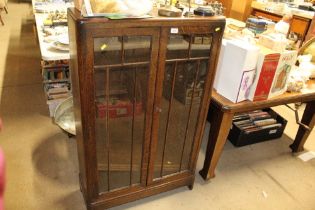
141	92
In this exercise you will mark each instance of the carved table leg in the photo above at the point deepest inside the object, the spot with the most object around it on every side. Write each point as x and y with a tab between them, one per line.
220	125
302	134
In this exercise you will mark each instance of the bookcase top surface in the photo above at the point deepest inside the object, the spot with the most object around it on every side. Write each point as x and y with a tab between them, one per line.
76	15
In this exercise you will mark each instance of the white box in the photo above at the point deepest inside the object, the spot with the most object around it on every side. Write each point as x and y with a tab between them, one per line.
218	72
236	69
274	41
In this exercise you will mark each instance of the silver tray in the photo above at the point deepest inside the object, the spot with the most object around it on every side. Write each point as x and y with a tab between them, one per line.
64	116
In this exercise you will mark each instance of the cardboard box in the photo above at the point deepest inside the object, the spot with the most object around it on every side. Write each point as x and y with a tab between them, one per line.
235	70
266	68
272	73
276	42
286	62
219	65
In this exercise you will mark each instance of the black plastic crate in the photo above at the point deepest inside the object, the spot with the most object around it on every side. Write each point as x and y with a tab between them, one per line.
238	137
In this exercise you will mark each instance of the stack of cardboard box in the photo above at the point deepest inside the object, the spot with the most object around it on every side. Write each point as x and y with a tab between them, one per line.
252	72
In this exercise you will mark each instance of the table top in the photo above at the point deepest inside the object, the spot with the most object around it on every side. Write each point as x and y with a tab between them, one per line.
274	8
41	10
155	20
307	94
48	53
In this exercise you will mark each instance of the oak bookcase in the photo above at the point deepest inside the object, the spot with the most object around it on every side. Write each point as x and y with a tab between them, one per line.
141	90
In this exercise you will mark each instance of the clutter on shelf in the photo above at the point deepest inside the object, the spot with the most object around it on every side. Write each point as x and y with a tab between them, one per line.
210	9
115	9
122	9
258	26
57	85
56	18
52	33
306	64
297	80
170	11
50	6
257	62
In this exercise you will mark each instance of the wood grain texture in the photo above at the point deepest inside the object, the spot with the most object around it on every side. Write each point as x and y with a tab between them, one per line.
214	56
75	62
157	102
300	26
228	5
220	123
311	30
83	32
286	98
265	14
302	134
240	10
221	113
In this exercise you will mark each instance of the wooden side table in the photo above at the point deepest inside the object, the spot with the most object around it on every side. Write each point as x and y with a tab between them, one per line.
221	113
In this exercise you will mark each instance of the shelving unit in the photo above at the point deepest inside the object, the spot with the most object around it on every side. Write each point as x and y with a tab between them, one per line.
54	63
56	82
141	97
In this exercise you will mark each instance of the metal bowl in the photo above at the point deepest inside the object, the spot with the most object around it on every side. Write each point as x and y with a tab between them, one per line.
64	116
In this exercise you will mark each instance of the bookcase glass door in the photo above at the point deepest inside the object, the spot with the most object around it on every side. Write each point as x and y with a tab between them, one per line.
121	75
186	69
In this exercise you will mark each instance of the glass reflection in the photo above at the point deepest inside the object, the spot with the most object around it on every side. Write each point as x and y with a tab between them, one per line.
178	46
183	89
120	127
107	50
137	48
201	46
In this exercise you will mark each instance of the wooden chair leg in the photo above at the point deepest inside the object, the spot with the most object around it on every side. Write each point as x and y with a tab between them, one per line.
5	9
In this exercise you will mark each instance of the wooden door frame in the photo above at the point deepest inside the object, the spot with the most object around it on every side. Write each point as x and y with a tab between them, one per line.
216	31
90	113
